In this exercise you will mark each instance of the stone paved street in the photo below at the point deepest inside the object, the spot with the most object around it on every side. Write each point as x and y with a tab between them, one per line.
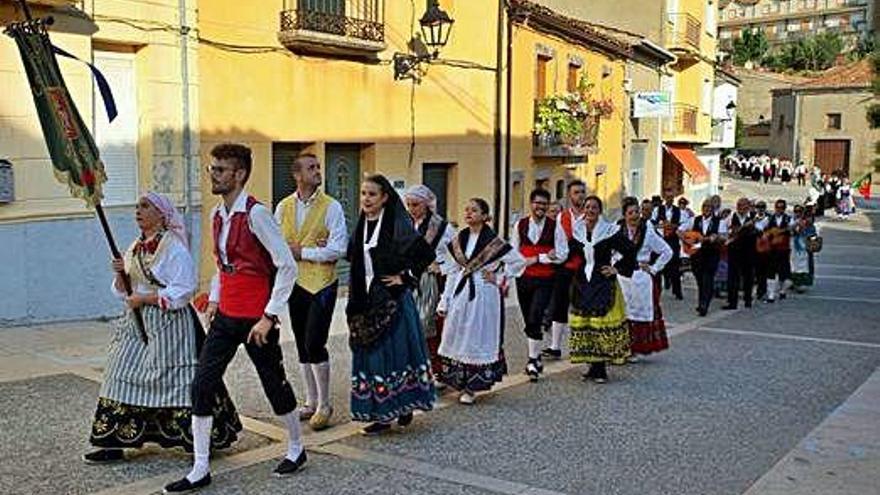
779	399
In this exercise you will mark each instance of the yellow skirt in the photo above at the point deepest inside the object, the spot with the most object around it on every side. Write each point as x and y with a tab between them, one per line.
597	339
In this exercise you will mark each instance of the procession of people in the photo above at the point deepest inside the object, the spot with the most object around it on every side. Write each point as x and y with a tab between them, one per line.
425	307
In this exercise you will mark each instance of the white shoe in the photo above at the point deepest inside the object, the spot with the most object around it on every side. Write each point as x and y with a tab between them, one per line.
466	398
635	358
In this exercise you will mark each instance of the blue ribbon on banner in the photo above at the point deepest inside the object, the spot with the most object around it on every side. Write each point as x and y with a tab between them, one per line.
100	80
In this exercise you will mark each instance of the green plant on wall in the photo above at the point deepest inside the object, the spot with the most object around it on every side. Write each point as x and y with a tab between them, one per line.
567	116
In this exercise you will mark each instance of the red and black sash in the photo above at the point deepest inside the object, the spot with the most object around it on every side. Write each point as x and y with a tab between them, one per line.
489	249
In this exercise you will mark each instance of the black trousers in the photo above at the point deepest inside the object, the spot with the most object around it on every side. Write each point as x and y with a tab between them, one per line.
704	268
780	265
740	274
557	309
310	317
225	336
762	269
534	297
672	274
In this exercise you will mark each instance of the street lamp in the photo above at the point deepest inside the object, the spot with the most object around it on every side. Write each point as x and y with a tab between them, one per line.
731	110
436	26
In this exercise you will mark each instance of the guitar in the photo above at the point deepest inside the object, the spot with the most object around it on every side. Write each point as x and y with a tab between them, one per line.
691	242
778	238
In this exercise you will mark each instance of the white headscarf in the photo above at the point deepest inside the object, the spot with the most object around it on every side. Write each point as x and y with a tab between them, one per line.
422	193
173	219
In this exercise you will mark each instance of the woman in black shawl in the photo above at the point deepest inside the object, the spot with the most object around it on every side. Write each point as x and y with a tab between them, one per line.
391	370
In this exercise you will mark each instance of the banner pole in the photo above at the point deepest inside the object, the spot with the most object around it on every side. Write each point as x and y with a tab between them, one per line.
126	280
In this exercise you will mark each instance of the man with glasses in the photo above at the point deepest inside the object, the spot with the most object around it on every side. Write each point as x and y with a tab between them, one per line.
256	275
542	242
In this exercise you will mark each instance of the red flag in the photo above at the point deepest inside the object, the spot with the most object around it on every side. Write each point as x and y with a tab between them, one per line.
864	186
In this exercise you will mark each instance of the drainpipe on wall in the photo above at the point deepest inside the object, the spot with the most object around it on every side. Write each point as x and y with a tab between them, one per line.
508	115
499	54
186	136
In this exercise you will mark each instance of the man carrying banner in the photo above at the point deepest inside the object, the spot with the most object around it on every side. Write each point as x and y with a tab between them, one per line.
313	224
256	275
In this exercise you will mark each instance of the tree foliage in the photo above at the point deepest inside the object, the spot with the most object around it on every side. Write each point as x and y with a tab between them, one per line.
750	47
814	53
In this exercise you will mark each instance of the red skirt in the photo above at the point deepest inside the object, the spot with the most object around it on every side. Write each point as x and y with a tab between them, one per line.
649	336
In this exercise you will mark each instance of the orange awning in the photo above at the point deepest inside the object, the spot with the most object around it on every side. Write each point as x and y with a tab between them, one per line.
688	160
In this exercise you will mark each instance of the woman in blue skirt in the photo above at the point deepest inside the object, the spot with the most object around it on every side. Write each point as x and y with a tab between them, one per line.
391	368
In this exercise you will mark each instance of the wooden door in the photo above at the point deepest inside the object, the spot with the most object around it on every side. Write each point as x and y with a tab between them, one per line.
283	184
638	154
832	155
343	179
436	177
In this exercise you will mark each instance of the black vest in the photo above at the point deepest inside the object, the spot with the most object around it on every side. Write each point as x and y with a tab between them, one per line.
676	214
548	233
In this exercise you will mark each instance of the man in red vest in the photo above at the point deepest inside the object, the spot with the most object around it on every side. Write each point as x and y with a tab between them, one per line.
542	243
256	275
568	218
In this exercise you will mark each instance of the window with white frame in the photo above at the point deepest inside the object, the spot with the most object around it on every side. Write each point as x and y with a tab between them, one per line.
706	100
117	141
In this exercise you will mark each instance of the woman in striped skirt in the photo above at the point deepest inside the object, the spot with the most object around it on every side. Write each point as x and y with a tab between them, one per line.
145	396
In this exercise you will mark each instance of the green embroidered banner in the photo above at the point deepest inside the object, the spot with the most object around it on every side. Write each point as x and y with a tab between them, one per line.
73	151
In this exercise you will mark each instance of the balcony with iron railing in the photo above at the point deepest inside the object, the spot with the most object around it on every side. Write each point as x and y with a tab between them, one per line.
337	27
683	33
684	121
555	142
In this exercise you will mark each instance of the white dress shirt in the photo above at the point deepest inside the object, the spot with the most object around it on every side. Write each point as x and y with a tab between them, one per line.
173	266
653	243
263	225
722	226
560	242
334	221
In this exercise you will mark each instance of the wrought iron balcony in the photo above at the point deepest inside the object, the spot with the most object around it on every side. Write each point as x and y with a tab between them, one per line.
551	144
683	33
339	27
683	121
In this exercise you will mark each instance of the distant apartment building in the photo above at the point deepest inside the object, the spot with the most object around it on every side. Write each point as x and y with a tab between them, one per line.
786	20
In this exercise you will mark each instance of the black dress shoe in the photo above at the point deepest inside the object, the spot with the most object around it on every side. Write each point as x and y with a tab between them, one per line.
728	307
288	467
552	353
748	304
702	311
405	419
184	485
103	456
374	429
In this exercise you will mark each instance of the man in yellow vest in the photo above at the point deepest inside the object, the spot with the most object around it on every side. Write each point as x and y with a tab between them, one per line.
313	224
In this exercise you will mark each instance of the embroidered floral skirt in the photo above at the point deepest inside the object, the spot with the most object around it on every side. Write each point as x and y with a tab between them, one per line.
599	339
393	376
649	336
117	425
472	377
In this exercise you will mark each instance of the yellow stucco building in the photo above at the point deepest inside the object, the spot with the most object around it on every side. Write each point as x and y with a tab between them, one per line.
138	46
691	34
554	56
331	90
